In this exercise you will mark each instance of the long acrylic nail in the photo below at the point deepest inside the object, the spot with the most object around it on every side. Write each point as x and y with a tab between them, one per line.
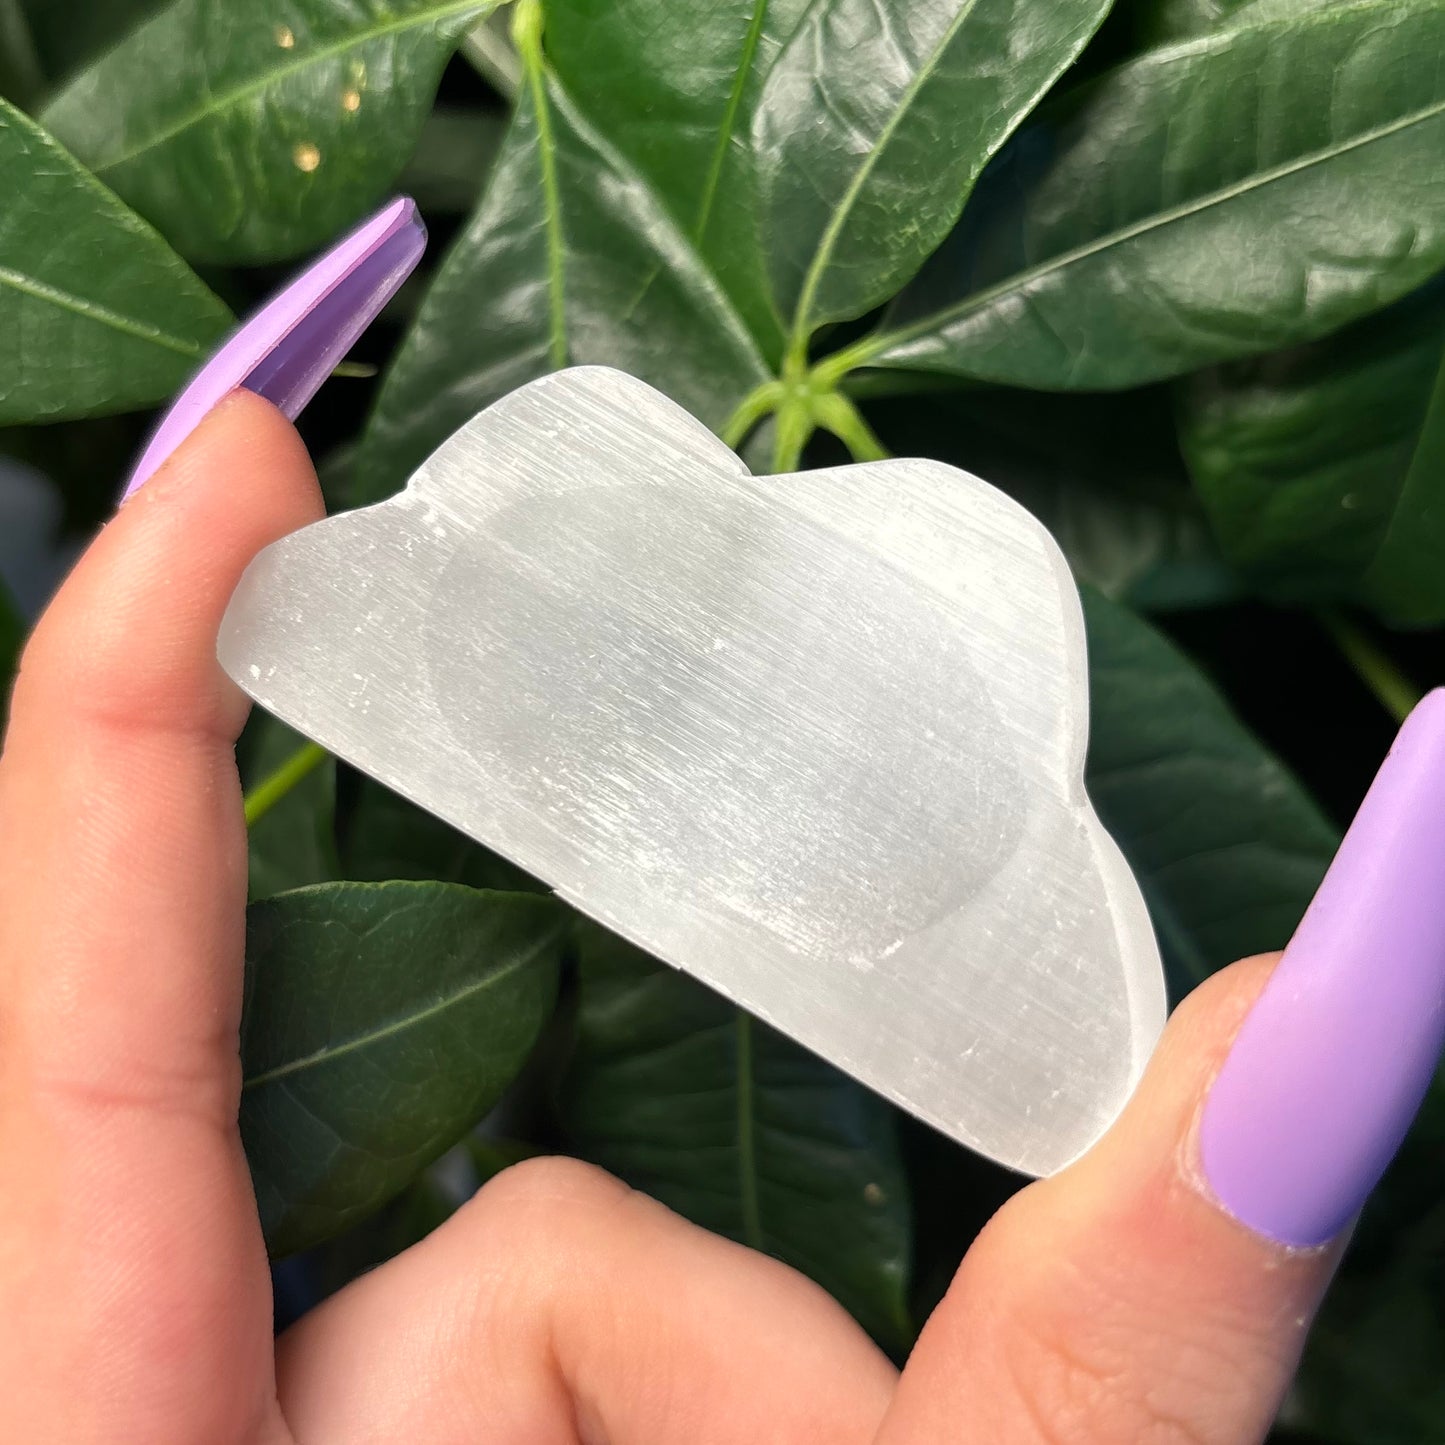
288	348
1330	1066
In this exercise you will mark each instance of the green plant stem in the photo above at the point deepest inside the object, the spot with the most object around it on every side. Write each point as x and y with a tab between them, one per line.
757	404
835	413
275	786
527	23
795	426
1394	691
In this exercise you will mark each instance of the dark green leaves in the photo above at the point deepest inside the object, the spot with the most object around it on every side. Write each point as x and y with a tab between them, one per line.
710	1111
570	258
97	313
674	88
1226	844
382	1021
873	125
1250	189
251	132
1323	468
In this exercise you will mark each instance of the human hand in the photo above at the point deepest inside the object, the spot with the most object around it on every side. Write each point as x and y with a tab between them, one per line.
1118	1301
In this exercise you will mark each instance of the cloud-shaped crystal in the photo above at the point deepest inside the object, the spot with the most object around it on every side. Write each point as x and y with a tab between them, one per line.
816	739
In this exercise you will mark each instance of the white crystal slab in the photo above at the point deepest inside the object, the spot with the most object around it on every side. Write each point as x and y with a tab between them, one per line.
816	739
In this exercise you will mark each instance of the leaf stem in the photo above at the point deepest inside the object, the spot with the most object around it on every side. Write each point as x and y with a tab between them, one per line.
275	786
762	401
527	23
795	426
1393	690
835	413
729	120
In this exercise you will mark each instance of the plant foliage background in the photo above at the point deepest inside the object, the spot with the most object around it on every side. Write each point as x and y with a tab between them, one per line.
1168	271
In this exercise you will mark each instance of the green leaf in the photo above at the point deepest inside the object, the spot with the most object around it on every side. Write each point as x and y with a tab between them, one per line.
740	1130
382	1021
674	88
873	126
1226	844
97	313
1323	468
254	131
570	258
384	836
294	843
1256	187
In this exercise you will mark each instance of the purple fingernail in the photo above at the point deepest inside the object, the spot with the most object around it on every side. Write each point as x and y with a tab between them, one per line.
290	346
1332	1063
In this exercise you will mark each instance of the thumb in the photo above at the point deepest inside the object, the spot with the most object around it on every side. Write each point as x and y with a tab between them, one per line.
1161	1287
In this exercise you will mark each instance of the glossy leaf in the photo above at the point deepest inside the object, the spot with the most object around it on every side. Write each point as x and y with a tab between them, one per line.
874	124
1323	468
570	258
251	131
97	313
674	87
294	843
1226	844
381	1022
703	1107
1253	188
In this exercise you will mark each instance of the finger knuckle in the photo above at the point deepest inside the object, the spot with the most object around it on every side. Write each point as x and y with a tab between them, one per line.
553	1180
1080	1372
540	1204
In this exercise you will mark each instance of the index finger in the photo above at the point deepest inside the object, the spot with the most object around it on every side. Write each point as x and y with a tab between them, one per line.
127	1221
122	853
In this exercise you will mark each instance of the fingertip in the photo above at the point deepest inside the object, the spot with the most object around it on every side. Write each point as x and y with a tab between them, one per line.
1118	1294
242	439
132	632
